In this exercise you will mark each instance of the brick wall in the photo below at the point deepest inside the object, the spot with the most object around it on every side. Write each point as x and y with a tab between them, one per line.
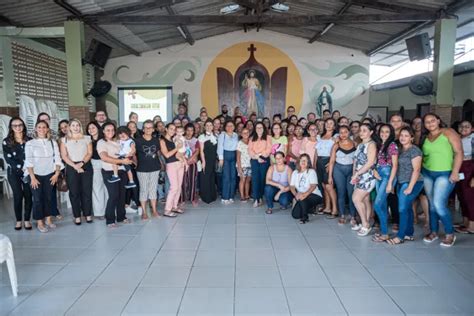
10	111
81	113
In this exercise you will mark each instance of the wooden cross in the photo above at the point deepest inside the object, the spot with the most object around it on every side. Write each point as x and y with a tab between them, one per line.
252	48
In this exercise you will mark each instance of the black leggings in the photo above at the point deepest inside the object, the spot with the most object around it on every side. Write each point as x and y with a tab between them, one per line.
302	207
115	209
21	191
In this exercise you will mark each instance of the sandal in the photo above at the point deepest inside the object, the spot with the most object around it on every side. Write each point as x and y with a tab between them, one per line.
380	238
179	211
409	238
430	238
395	241
269	211
18	227
332	216
364	231
126	221
169	214
341	221
28	226
448	242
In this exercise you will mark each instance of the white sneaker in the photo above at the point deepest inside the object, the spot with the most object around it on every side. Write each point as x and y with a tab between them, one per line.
255	204
231	201
130	210
140	211
356	227
224	201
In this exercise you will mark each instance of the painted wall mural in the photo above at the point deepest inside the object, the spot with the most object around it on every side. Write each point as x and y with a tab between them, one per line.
262	72
255	76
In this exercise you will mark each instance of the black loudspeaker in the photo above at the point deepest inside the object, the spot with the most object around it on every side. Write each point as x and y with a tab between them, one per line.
419	47
97	54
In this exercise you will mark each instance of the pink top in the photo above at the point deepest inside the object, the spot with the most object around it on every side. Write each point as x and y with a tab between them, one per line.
383	160
260	146
309	147
296	147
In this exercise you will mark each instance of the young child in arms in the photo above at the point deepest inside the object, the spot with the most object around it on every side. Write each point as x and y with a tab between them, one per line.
127	150
184	152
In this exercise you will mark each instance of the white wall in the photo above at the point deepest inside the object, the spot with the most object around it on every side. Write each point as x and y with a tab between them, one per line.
394	98
324	60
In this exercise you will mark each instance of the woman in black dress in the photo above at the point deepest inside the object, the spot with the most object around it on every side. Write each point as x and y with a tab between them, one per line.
207	177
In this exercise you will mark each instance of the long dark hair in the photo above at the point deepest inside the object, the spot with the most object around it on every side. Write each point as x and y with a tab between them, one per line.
60	133
390	139
424	131
255	135
375	138
335	126
11	134
100	135
107	124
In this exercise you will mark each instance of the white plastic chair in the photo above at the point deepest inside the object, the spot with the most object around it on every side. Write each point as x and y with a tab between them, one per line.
7	189
6	254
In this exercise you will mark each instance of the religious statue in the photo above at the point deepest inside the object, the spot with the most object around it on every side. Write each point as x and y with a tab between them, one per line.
252	94
183	98
324	102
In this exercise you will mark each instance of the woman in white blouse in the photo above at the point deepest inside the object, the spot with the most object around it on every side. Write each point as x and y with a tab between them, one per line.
304	186
43	165
76	152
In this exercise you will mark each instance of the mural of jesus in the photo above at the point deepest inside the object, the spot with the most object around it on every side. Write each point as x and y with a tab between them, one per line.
253	99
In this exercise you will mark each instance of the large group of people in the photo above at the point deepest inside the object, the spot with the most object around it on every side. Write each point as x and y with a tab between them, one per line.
370	175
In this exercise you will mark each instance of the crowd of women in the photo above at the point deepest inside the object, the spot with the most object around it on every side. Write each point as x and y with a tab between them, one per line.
373	176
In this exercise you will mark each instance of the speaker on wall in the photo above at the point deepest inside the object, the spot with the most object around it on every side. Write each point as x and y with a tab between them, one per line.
418	47
98	53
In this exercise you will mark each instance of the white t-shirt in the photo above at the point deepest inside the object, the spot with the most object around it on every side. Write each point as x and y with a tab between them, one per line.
303	180
125	147
467	145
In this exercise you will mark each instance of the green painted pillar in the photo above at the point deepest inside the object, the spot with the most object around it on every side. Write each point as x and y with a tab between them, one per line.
74	40
443	68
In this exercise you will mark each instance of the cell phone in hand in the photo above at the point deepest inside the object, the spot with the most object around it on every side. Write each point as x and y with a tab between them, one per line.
461	176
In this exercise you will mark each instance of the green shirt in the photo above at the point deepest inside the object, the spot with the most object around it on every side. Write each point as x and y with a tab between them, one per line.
438	155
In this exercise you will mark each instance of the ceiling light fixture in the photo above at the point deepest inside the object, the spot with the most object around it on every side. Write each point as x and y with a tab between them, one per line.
232	8
280	7
180	29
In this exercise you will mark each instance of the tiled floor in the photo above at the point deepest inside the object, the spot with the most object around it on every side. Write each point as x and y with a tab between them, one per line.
231	260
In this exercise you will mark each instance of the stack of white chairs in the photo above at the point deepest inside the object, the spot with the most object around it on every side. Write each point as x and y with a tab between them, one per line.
7	190
6	255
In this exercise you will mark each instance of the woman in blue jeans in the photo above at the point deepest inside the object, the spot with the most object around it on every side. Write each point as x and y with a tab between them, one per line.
442	159
340	173
387	163
260	148
278	186
410	184
227	153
